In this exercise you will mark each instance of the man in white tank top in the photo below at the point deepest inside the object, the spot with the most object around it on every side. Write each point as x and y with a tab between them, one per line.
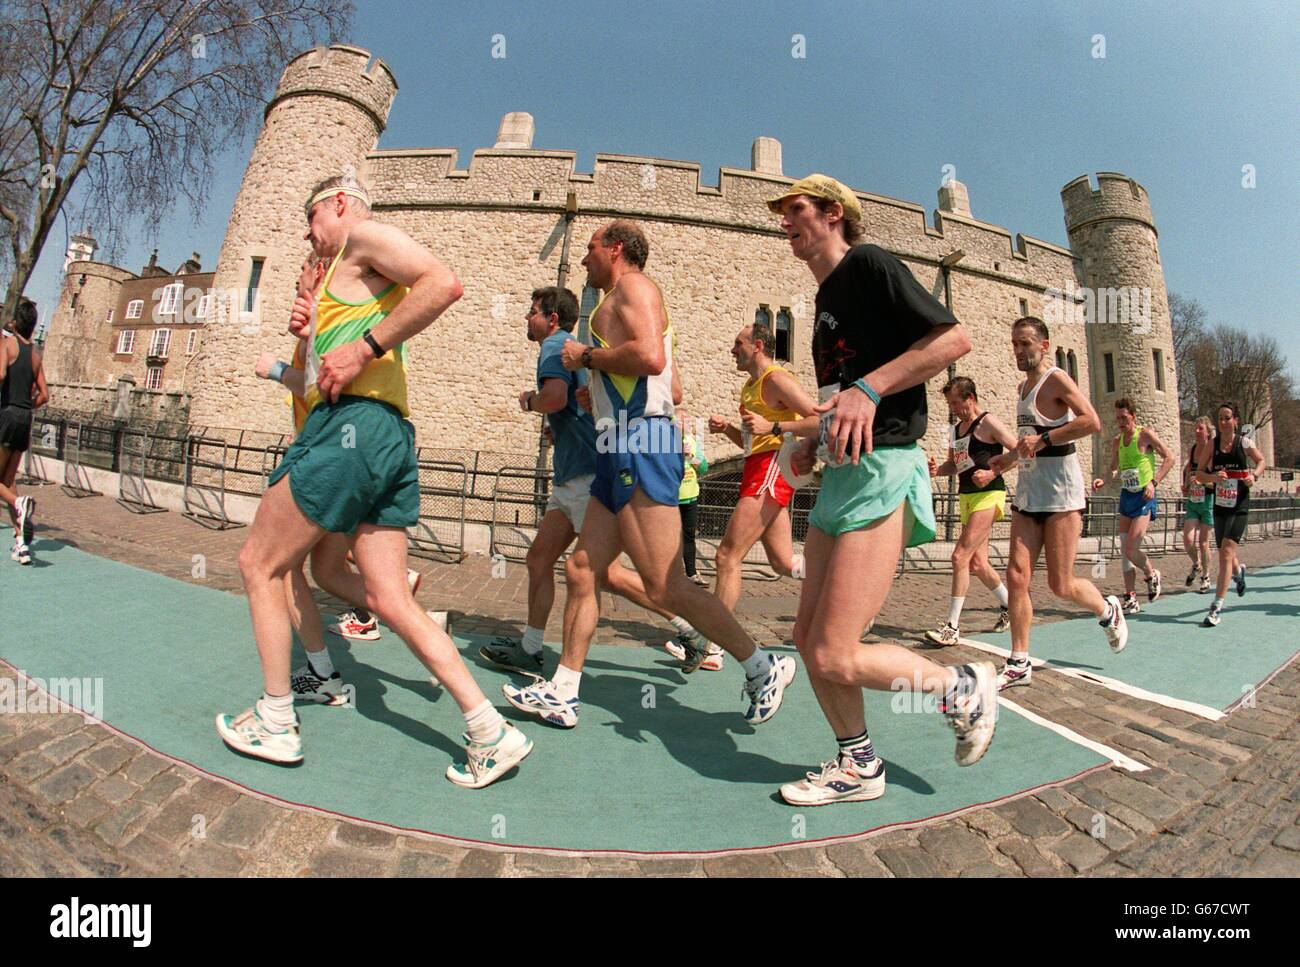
1051	413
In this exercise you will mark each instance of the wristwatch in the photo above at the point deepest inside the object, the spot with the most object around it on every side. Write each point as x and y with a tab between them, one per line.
776	429
373	345
586	358
1046	437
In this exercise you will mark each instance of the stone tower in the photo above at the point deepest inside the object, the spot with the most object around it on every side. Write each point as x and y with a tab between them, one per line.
1124	303
328	111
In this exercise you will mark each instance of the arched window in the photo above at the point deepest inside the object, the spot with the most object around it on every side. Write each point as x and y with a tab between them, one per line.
763	316
784	333
1073	367
1060	358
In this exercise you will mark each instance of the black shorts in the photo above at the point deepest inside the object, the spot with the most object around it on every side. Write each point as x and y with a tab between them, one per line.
1230	525
15	428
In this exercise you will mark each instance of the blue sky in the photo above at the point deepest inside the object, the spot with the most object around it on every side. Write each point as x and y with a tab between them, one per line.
888	93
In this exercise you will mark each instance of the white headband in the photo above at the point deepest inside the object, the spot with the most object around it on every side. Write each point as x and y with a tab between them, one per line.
331	192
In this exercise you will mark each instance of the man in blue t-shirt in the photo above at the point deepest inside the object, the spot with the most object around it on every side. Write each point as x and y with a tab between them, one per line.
551	318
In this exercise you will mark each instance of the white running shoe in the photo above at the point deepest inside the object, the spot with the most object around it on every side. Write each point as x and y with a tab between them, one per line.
310	687
1003	622
766	691
1191	576
1116	627
945	635
1130	604
1013	675
1153	586
26	509
713	661
485	764
1239	578
1205	584
543	700
837	781
973	716
1212	619
250	734
349	627
413	578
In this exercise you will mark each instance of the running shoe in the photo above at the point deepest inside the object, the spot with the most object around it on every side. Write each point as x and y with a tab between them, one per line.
22	554
508	653
974	714
349	627
1130	604
1003	622
1153	586
1240	578
26	510
713	663
252	735
413	578
1013	675
945	635
310	687
695	651
1191	576
836	781
543	700
699	579
1115	625
485	764
1212	619
766	691
1205	583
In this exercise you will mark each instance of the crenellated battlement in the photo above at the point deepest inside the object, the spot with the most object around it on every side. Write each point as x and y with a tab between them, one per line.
343	71
1116	196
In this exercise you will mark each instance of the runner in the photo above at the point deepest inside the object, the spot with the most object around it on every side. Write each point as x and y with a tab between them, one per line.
879	336
550	320
1051	414
353	469
1230	464
1198	525
1133	459
695	464
634	495
22	390
974	439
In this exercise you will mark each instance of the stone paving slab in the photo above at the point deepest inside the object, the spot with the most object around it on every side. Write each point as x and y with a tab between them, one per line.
1223	798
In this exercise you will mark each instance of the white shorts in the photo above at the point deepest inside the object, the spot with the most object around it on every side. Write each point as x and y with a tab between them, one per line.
570	499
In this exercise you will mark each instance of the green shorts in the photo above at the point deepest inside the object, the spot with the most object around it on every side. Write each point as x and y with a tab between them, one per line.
353	463
1201	511
854	497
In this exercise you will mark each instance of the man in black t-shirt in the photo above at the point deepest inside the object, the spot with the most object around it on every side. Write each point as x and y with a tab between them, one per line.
878	337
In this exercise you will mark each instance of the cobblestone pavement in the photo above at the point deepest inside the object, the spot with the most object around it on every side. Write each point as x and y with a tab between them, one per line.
1223	798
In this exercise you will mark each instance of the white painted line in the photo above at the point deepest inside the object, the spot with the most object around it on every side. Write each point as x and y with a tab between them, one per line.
1118	759
1114	684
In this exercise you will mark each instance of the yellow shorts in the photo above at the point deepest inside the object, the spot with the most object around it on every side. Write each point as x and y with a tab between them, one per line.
988	499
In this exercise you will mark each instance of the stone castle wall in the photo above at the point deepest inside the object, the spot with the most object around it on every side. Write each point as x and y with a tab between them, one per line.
79	346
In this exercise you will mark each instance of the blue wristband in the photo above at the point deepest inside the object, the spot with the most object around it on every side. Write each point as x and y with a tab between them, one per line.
277	371
871	394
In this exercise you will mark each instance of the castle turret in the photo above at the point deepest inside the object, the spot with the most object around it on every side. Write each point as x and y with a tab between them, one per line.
1124	303
328	111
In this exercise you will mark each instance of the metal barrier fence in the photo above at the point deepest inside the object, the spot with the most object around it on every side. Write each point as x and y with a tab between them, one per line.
504	491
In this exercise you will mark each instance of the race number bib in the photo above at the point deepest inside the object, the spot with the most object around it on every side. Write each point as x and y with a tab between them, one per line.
824	424
1131	478
1225	493
961	454
1196	493
1027	463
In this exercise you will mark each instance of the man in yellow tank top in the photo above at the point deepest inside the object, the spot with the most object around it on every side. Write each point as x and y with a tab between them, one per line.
352	470
770	397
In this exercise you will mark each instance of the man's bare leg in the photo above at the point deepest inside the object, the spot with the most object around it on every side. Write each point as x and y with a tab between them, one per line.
778	544
1026	546
1061	544
598	548
749	521
331	572
553	536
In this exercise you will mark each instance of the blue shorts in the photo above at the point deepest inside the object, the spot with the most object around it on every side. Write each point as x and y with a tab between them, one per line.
1133	503
657	469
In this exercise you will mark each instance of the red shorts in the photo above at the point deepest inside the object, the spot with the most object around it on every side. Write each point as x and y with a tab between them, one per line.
762	475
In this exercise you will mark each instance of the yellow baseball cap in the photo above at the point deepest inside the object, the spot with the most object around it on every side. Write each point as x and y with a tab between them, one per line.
821	186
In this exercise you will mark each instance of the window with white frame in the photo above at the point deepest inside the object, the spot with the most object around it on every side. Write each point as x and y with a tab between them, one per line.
134	308
201	313
154	378
171	299
160	343
192	342
109	318
126	342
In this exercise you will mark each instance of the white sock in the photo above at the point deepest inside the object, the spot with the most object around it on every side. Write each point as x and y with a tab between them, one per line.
1218	603
277	710
533	640
483	722
757	664
954	611
682	625
321	663
1001	592
566	681
798	567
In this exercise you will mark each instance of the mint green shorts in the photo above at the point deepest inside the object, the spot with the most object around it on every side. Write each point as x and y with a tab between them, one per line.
854	497
354	462
1201	511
